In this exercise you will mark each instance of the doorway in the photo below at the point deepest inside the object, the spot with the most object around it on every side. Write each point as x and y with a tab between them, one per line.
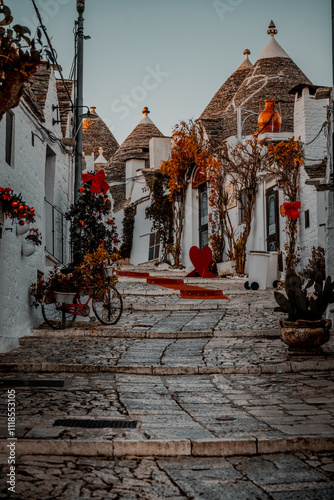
273	239
203	216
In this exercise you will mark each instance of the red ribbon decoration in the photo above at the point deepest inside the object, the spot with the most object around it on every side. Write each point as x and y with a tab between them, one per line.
98	182
292	209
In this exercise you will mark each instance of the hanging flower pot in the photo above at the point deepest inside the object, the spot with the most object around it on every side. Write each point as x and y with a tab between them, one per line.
28	249
21	229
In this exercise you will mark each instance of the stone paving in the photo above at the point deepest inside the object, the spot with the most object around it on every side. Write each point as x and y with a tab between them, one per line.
252	408
214	392
161	355
278	477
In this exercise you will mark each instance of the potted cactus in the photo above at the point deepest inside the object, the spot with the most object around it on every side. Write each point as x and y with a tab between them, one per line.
305	329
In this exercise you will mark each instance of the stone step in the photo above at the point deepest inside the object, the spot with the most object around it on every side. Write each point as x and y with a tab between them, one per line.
303	365
115	332
170	448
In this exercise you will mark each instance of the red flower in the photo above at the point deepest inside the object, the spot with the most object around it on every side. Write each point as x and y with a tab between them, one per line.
82	223
21	223
102	244
82	189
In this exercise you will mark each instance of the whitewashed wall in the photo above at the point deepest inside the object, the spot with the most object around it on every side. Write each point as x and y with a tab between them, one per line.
309	116
27	176
191	226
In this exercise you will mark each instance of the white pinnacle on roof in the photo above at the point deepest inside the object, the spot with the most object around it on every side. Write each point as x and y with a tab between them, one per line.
246	64
273	48
101	159
146	118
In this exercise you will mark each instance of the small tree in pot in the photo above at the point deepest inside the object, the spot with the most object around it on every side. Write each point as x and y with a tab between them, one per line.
305	327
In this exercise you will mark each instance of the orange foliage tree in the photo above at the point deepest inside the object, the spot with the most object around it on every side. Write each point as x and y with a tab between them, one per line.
284	161
188	151
238	166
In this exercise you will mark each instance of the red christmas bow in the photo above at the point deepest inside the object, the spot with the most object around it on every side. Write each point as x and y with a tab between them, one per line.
292	209
98	182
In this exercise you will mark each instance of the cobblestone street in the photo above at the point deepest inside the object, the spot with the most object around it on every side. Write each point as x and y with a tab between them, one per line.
221	410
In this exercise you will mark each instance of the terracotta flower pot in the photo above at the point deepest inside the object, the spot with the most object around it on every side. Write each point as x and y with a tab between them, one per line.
269	120
305	335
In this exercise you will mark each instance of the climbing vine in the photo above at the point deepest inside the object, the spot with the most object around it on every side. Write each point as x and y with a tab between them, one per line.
161	213
127	233
188	151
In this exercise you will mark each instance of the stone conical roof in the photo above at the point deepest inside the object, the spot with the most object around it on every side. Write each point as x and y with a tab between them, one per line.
219	102
97	134
272	76
212	116
135	146
64	102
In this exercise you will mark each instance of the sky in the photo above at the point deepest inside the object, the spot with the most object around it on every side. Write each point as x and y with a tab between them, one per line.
173	55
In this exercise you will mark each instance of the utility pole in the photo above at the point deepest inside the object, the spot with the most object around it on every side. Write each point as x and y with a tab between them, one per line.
332	103
79	99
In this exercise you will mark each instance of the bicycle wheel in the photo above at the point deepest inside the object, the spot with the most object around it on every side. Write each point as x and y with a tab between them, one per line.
108	308
56	316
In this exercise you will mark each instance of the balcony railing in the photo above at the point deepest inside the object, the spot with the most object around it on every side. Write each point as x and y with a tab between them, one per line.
55	233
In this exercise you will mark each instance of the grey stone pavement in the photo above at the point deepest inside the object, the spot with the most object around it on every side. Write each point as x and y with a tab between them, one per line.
221	409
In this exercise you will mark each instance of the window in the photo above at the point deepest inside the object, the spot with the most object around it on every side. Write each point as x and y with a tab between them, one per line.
242	206
154	247
307	219
9	138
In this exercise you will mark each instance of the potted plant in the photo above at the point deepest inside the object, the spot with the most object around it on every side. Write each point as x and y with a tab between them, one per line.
34	239
94	270
305	328
38	291
63	286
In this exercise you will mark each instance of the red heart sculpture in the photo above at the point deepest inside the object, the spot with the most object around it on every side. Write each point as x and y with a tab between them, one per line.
201	260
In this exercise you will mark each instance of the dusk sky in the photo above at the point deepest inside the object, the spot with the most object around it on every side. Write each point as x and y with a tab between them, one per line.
172	56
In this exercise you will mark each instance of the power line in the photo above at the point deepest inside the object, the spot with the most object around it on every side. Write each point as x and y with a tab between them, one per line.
53	52
316	137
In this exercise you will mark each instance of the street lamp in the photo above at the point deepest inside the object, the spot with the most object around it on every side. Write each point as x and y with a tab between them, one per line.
79	97
240	122
62	110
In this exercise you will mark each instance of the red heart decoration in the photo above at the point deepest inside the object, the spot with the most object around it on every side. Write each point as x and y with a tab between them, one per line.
200	259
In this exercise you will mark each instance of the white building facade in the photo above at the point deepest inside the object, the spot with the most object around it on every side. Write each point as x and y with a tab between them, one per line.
35	163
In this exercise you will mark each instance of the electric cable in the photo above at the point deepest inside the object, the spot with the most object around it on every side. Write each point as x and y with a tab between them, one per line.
53	52
316	137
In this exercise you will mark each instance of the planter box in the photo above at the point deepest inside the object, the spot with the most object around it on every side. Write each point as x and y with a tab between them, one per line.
226	268
66	298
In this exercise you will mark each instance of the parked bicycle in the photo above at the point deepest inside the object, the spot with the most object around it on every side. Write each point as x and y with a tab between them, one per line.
107	305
